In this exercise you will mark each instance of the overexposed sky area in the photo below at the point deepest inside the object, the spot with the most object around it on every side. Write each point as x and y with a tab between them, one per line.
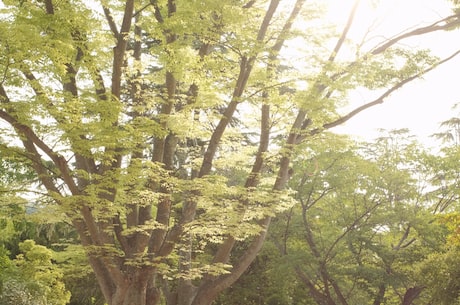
421	105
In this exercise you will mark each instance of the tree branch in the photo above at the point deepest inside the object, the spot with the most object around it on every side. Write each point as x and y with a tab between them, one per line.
245	71
450	22
223	253
171	7
317	295
157	12
41	170
58	160
111	21
411	294
347	27
443	24
120	48
382	98
249	4
302	122
49	7
211	289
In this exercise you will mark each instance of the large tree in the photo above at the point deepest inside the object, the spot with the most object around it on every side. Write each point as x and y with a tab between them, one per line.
149	123
363	222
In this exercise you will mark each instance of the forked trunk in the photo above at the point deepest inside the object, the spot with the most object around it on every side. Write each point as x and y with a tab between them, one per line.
138	293
131	294
134	292
137	288
184	295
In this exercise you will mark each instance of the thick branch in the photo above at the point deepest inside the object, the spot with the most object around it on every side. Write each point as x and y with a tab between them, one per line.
100	89
82	162
118	229
49	7
411	294
267	19
301	121
264	141
380	296
319	297
111	21
287	27
120	48
105	279
249	4
157	12
211	289
30	142
171	7
245	71
58	160
223	253
42	171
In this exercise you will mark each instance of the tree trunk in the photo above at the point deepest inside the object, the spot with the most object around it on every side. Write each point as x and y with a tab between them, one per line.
133	293
185	294
411	294
136	293
380	295
136	288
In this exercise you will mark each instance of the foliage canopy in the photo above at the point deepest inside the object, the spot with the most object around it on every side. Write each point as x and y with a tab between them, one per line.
164	131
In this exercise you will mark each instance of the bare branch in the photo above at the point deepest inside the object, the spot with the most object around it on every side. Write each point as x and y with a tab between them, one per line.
382	98
137	13
347	27
443	24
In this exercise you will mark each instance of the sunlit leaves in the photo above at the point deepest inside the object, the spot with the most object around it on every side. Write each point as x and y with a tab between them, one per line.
391	67
32	278
143	122
360	215
230	209
440	273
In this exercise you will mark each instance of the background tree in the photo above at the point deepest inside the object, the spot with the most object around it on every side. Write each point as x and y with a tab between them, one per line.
131	113
439	271
31	278
363	222
21	220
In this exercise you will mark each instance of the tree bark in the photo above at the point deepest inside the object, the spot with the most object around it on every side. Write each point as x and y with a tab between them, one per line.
411	294
133	293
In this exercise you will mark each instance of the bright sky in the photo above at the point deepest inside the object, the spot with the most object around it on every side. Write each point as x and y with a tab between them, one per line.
423	104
